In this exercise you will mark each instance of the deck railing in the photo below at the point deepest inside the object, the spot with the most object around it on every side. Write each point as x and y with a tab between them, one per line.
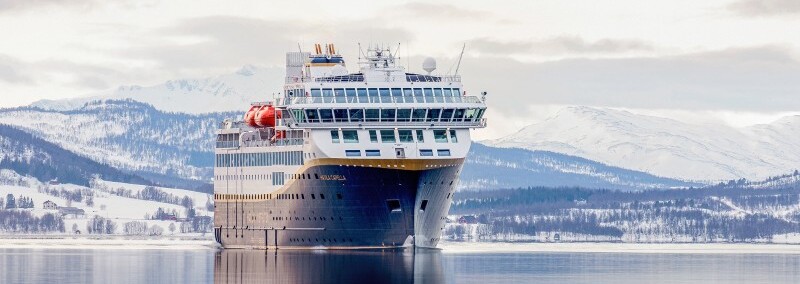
383	99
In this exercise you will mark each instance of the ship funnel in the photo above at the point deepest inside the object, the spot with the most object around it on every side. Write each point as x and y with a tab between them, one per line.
429	65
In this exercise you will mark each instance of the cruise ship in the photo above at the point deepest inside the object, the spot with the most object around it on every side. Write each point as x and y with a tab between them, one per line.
343	160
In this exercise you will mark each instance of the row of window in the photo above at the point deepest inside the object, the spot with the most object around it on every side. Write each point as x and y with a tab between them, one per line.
425	93
264	196
394	136
389	115
259	159
376	153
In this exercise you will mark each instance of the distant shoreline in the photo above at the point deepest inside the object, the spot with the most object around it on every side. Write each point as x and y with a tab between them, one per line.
106	242
619	247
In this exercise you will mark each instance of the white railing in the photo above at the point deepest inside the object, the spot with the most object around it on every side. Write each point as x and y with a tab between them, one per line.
384	99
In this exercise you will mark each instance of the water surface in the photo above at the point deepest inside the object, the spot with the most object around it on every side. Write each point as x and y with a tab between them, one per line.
105	265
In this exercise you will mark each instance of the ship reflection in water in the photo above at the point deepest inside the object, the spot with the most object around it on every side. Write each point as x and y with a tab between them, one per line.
328	266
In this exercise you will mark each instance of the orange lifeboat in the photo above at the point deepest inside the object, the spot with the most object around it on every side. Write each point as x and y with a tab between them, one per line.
250	116
266	116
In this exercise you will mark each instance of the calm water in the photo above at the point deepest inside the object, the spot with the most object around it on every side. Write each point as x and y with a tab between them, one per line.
237	266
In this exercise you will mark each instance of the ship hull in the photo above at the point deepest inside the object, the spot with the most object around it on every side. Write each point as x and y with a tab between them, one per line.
337	206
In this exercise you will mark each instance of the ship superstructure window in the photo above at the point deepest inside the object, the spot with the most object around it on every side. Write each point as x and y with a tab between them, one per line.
418	114
278	178
373	136
404	114
350	136
335	136
420	137
340	115
453	137
356	115
440	136
388	114
352	153
372	153
387	136
447	114
260	159
371	114
433	114
459	115
426	152
405	135
443	152
312	115
326	115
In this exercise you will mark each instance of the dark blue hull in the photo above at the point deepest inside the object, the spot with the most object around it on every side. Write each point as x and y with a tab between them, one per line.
335	206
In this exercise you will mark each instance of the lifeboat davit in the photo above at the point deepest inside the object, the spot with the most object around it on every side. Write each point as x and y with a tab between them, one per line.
250	116
266	116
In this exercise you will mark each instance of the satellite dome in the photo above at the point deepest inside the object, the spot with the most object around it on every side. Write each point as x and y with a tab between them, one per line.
429	65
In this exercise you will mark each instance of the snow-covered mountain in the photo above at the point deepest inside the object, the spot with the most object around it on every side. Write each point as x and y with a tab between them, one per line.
166	148
230	92
665	147
488	167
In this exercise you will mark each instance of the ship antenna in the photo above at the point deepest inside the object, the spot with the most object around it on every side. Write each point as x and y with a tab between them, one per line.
299	48
459	58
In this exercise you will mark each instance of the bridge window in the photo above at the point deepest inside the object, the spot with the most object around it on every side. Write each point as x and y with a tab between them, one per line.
433	115
356	115
335	136
448	92
418	95
470	114
326	115
340	115
443	152
453	137
456	92
404	114
352	153
428	95
327	93
438	93
440	136
350	136
387	136
316	92
387	114
408	95
405	135
459	115
362	96
425	152
397	93
373	136
447	114
385	96
351	93
420	138
418	114
372	153
312	115
373	95
338	92
372	114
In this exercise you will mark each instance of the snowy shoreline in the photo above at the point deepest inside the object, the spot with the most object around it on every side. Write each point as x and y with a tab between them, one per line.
73	242
609	247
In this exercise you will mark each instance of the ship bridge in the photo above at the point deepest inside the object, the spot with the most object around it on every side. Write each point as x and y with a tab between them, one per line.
320	93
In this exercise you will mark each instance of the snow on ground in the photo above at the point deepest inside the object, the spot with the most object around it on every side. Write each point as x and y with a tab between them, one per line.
716	248
117	208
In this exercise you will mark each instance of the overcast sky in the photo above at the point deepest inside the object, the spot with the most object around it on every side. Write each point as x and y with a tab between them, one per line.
734	60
